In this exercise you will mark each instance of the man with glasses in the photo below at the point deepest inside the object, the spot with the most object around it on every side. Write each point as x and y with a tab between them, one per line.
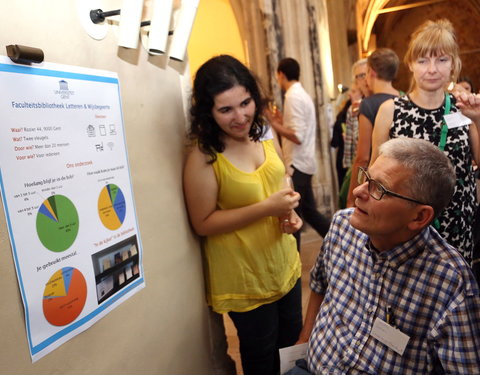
382	68
359	72
389	295
358	91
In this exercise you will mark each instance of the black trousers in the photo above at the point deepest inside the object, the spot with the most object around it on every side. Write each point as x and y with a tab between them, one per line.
307	208
264	330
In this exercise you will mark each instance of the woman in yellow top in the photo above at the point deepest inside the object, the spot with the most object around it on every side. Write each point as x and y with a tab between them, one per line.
233	188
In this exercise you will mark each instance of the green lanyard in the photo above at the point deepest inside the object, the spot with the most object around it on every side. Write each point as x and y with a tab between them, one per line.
443	140
443	135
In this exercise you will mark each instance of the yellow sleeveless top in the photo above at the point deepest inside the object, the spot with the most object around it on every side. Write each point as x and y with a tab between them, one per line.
257	264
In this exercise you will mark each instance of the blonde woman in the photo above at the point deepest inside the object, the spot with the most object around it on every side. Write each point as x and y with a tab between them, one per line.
434	62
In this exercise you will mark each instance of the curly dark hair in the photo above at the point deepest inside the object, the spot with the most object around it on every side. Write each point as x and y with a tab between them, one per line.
217	75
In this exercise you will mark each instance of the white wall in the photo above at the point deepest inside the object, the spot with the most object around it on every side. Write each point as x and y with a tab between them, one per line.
163	328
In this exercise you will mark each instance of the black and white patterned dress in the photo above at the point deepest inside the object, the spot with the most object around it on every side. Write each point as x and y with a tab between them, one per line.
409	120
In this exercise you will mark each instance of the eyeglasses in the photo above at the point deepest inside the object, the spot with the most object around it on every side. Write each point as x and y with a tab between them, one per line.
360	75
377	190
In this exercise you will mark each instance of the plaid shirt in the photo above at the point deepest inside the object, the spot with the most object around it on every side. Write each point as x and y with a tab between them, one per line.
351	138
435	300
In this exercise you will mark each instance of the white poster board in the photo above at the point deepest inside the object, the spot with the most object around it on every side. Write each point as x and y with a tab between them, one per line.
68	199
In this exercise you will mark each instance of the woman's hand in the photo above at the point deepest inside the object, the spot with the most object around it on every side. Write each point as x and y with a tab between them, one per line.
291	223
273	116
469	105
282	202
356	107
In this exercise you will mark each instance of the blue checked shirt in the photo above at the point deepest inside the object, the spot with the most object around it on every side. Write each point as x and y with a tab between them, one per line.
435	300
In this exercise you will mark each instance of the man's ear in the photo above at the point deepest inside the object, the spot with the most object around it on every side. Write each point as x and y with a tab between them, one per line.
423	216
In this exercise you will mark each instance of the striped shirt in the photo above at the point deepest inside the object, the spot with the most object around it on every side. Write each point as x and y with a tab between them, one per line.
435	300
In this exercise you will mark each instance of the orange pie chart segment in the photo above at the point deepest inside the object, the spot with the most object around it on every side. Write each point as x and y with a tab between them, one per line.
64	296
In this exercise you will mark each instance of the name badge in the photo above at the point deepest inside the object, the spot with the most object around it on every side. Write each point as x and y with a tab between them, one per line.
455	120
390	336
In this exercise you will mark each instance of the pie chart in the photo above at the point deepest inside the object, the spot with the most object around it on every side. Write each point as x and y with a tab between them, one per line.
57	223
64	296
111	207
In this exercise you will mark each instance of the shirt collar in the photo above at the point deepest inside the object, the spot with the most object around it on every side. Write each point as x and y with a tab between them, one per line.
296	84
401	253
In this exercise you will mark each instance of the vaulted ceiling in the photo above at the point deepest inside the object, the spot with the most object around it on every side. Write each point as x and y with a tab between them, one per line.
389	23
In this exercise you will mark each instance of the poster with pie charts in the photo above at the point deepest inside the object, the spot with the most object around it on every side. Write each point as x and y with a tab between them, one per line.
68	198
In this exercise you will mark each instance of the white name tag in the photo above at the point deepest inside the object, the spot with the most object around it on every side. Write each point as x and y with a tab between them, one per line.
455	120
390	336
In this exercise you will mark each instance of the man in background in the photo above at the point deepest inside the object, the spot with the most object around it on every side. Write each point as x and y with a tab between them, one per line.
298	131
382	68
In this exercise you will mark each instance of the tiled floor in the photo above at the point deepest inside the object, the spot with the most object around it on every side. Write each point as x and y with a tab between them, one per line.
310	246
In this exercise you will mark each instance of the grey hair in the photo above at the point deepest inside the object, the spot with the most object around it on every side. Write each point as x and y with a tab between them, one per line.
357	64
433	177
